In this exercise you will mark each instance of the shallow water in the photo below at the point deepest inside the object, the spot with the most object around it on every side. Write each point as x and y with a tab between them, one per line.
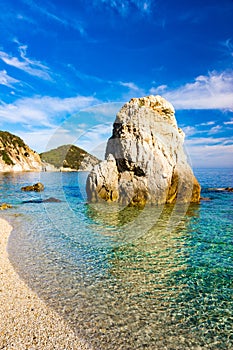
158	278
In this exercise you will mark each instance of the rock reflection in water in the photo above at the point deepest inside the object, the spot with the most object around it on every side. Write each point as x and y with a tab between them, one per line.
134	306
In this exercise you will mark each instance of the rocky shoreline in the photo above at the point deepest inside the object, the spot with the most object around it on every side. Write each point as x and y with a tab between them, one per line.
25	321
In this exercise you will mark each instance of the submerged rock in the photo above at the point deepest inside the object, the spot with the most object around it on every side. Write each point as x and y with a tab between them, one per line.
47	200
51	200
145	160
38	187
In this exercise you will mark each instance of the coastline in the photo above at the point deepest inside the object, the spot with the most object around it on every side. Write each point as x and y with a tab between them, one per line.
25	320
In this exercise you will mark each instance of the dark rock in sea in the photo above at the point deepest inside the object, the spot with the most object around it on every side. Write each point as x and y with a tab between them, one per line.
5	206
38	187
47	200
229	189
220	189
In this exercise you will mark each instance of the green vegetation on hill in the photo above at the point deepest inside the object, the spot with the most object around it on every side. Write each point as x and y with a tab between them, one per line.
9	142
6	139
67	156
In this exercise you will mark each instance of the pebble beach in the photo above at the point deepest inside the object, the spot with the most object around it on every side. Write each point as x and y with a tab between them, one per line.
25	321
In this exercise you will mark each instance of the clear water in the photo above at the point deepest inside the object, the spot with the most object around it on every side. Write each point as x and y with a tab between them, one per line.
158	278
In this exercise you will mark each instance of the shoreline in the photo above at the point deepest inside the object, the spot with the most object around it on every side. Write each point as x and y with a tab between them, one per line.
26	322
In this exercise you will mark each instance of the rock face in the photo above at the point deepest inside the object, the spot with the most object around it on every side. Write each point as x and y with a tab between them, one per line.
145	160
15	155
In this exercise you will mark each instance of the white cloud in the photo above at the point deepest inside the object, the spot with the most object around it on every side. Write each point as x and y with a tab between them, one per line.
42	110
133	90
204	141
210	152
230	122
94	140
214	91
102	112
156	90
207	123
32	67
189	130
6	79
129	85
36	139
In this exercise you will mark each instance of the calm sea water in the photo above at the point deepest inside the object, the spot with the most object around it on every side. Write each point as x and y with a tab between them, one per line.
158	278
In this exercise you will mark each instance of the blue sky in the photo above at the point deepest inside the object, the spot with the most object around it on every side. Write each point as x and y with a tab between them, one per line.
66	67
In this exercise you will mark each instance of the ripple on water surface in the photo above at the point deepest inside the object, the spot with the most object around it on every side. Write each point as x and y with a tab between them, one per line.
127	278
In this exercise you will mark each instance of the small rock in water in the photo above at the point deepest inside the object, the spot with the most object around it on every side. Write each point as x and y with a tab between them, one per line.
220	189
229	189
5	206
38	187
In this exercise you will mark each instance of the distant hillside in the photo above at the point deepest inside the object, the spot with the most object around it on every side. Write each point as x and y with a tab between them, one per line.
15	155
69	156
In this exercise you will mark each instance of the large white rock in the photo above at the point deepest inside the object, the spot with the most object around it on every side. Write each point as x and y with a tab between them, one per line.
145	159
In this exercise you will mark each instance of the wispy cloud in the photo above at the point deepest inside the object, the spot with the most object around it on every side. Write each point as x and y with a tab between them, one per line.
212	91
129	86
133	90
50	13
190	130
123	7
30	66
196	130
229	122
87	77
89	128
228	46
215	129
209	141
207	123
6	79
213	151
158	90
43	111
94	140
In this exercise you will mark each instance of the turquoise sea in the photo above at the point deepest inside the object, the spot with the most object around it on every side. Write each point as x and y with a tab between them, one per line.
124	278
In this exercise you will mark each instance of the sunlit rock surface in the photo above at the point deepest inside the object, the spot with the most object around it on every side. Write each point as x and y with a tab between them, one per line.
145	158
15	155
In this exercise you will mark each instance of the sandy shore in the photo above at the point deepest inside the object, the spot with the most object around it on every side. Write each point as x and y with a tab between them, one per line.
25	321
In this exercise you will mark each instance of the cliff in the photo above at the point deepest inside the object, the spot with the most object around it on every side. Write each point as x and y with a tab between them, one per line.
15	155
145	160
68	158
